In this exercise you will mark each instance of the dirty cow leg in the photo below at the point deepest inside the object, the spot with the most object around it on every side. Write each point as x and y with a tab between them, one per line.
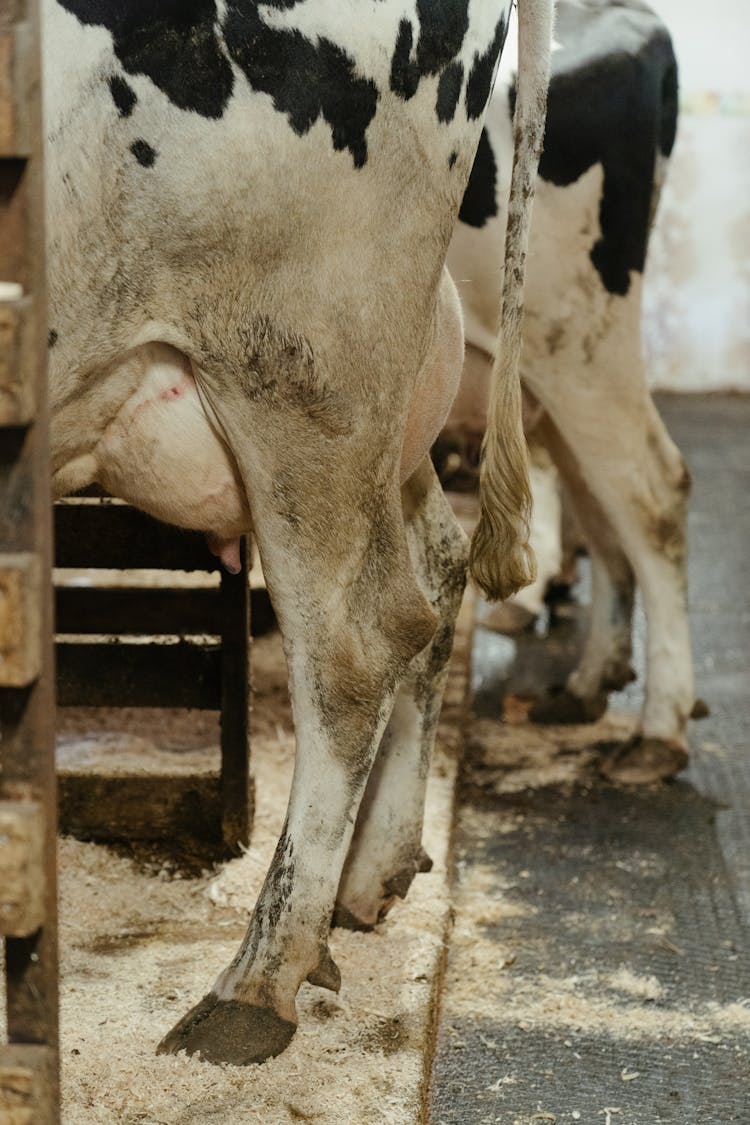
331	536
637	477
386	851
604	665
654	535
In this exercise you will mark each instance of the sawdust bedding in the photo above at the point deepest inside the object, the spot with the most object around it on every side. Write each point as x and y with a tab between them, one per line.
140	945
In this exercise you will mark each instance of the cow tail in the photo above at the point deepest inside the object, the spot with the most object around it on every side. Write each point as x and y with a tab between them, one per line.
501	560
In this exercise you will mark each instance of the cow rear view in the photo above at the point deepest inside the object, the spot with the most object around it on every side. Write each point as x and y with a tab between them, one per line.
252	325
610	129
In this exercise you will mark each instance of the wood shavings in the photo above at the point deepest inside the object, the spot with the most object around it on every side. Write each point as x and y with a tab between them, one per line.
644	988
140	946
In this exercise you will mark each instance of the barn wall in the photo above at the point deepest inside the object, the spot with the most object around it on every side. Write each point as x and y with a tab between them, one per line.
697	294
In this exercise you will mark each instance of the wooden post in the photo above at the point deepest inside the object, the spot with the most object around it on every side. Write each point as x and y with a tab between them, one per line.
29	1088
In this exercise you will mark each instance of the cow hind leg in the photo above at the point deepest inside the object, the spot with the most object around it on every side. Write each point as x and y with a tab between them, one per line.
352	617
386	851
605	663
639	481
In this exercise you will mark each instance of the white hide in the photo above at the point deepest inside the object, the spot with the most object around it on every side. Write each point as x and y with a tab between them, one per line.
254	319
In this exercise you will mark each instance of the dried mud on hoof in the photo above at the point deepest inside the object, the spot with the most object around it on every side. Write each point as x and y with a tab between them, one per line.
643	761
229	1031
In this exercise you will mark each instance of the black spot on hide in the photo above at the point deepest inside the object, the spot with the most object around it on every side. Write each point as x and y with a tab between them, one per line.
480	202
181	47
442	28
143	152
404	73
51	338
123	95
482	75
178	45
616	107
306	80
449	91
173	42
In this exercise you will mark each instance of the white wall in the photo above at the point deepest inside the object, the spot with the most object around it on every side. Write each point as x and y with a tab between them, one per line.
697	292
711	42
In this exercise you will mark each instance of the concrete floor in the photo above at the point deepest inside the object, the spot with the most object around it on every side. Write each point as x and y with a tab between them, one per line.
600	965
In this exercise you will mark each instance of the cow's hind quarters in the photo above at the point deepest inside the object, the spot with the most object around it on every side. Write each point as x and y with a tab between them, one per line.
568	709
229	1031
643	761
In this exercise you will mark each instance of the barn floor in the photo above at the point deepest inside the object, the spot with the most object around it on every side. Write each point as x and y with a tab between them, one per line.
599	969
598	962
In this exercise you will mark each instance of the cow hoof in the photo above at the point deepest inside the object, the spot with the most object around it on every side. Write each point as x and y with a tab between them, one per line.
229	1031
642	761
396	886
568	709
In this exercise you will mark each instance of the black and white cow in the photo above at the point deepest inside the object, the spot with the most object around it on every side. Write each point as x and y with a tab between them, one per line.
249	207
612	115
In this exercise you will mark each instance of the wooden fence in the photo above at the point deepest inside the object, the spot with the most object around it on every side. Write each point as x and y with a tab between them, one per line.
29	1087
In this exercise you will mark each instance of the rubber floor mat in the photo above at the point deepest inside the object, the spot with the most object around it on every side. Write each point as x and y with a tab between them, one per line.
598	966
598	970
